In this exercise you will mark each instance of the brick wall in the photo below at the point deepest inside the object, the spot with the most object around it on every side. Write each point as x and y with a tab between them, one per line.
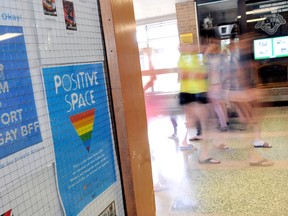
186	18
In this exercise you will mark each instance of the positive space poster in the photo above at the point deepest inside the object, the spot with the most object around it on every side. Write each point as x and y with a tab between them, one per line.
19	126
81	129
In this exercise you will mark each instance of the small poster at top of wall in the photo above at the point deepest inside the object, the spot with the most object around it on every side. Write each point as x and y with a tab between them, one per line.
69	15
49	7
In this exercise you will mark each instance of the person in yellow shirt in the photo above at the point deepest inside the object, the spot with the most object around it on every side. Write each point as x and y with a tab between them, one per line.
193	97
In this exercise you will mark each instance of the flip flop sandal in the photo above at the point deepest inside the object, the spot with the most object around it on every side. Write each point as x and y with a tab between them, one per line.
196	138
209	161
188	148
263	145
263	163
222	146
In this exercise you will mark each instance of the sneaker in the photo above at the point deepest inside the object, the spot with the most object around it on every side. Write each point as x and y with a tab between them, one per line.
223	129
173	136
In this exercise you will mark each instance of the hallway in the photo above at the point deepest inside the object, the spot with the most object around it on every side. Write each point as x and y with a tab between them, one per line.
230	188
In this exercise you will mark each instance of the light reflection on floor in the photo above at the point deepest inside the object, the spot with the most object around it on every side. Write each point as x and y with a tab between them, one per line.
230	188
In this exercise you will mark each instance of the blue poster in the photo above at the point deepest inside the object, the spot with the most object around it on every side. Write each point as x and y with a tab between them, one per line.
19	126
81	129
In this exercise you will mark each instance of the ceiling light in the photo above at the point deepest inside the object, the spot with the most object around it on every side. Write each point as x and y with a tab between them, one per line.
264	10
256	20
214	2
253	20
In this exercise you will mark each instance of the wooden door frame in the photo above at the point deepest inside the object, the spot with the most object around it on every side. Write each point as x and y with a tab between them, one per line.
121	46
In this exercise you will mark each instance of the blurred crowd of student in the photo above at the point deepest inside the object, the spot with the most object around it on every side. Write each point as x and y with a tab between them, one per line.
218	79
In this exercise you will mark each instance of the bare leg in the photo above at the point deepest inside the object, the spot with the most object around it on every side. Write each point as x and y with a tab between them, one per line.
174	123
251	118
202	114
219	109
190	121
199	111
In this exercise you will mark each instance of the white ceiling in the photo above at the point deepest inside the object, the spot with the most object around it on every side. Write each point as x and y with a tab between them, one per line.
147	11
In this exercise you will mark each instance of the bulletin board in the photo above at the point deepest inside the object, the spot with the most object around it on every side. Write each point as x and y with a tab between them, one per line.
57	149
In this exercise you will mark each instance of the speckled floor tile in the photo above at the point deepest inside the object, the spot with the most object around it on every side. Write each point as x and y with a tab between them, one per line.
230	188
275	124
235	192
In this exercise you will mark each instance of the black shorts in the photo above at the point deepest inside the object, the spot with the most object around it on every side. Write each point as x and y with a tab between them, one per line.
185	98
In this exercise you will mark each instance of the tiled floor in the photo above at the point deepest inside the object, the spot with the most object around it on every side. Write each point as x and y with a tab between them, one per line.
230	188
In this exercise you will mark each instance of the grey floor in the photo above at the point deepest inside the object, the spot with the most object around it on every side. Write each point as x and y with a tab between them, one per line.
185	187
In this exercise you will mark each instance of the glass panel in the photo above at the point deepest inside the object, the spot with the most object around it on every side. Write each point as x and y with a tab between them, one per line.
158	49
167	83
165	52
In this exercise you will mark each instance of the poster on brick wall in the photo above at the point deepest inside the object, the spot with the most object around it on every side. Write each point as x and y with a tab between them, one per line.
19	126
81	132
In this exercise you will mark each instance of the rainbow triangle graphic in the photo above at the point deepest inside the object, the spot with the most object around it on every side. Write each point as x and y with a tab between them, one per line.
83	124
8	213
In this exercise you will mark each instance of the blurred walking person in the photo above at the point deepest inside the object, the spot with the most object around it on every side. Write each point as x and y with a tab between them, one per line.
245	96
193	97
217	77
